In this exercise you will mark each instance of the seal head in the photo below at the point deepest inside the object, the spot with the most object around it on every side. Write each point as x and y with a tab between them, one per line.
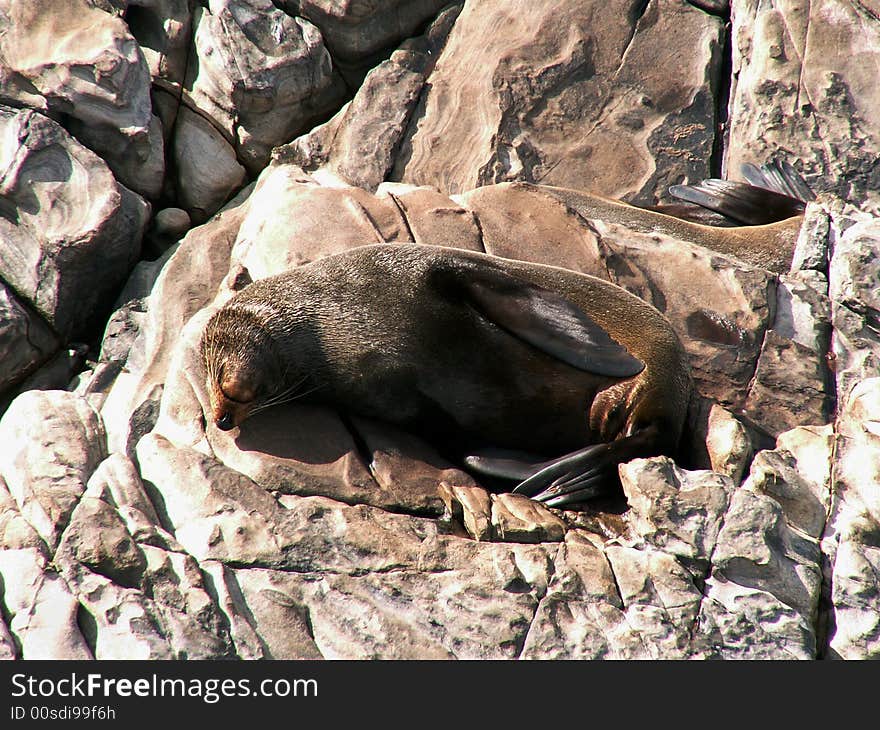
244	369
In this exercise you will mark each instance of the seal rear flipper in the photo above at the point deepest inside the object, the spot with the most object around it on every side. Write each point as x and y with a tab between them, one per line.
546	320
588	472
780	177
741	202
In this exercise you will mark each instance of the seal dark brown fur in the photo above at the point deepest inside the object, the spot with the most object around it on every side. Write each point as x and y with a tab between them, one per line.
472	349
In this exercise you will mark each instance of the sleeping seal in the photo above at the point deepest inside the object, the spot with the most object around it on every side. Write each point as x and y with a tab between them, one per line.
470	350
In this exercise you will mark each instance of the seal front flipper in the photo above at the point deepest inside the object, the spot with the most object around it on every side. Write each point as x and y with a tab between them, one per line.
544	319
587	472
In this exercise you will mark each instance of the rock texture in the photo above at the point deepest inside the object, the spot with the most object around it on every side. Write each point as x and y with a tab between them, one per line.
157	155
801	83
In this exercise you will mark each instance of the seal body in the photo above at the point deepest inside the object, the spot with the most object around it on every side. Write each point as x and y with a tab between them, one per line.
472	349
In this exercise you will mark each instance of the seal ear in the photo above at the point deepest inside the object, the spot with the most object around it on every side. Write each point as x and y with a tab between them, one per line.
548	321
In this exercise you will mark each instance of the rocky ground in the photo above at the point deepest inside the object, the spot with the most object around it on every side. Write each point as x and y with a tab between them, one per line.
155	155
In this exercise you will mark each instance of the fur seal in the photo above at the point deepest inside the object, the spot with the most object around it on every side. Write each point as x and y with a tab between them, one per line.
468	349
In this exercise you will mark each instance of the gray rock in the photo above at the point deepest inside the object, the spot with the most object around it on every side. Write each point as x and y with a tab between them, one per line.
569	94
360	144
207	170
727	443
16	532
98	539
855	300
581	615
72	233
853	528
446	606
800	85
516	518
41	609
25	339
70	58
259	75
762	595
678	512
59	441
357	31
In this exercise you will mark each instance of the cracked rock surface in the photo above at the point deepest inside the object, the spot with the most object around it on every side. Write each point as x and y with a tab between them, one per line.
164	154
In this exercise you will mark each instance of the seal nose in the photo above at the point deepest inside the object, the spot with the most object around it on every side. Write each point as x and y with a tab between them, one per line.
224	423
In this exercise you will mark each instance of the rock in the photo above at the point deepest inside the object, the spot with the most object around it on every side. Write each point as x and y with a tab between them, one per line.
42	612
660	601
811	248
173	618
365	136
456	610
25	339
188	280
73	233
15	531
855	300
800	85
581	615
248	644
571	95
216	513
122	331
853	528
797	475
433	218
163	30
789	387
116	482
762	595
525	222
360	144
191	621
675	511
8	649
168	227
98	539
60	442
260	75
317	457
70	58
794	357
727	443
282	620
470	506
357	31
207	170
58	372
328	220
516	518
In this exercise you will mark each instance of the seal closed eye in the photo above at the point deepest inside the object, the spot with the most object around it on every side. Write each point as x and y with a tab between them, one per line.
470	350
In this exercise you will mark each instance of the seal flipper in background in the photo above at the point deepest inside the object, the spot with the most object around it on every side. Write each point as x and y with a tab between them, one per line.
557	327
774	192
